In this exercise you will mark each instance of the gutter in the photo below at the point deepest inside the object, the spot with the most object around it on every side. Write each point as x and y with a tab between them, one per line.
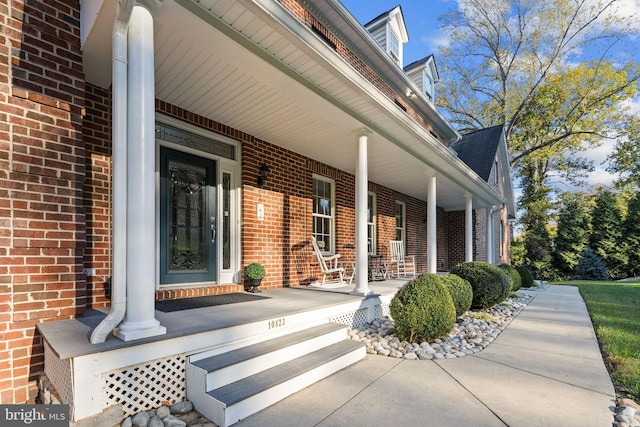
119	158
402	82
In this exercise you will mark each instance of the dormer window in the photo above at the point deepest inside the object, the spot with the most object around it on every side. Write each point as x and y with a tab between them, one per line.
428	85
394	47
424	74
389	31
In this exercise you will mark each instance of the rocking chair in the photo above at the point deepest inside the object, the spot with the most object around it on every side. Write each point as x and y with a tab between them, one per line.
329	266
399	263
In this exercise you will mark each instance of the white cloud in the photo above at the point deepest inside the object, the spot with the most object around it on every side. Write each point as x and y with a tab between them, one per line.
628	9
435	41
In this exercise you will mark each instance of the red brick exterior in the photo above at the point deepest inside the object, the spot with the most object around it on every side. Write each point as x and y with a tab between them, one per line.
97	193
42	172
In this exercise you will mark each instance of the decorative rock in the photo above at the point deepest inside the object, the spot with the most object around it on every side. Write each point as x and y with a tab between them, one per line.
181	407
628	402
173	421
126	422
163	411
140	419
628	415
155	422
471	333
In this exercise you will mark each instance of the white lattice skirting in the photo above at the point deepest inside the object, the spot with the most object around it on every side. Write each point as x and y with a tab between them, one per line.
146	386
59	374
357	318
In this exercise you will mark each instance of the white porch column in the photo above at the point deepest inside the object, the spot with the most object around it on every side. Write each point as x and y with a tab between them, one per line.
362	191
490	235
432	226
468	228
140	321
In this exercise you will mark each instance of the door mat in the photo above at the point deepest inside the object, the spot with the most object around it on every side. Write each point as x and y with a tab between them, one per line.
206	301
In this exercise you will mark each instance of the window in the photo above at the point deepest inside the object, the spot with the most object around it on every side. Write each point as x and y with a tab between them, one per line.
400	221
226	221
394	46
371	224
428	85
323	213
496	173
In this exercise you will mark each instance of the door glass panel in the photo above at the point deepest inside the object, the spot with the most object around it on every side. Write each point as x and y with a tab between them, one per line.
187	217
226	221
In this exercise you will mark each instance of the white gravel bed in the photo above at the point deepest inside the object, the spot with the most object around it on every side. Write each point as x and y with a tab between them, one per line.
472	332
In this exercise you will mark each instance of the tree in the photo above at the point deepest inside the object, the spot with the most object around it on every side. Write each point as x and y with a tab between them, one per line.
625	158
518	63
573	233
606	236
590	267
536	206
502	53
632	236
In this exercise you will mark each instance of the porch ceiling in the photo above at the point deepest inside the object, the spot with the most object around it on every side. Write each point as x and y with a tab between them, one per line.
235	63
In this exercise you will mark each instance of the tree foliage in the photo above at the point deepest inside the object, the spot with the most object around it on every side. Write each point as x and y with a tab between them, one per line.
606	238
521	63
590	267
504	52
632	236
535	205
625	158
573	233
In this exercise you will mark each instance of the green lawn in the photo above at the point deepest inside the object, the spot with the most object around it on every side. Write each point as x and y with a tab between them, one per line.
615	311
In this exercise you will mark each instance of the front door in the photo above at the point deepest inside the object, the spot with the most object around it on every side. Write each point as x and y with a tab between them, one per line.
187	218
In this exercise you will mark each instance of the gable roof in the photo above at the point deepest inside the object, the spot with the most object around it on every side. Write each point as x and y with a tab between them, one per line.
479	149
422	63
396	12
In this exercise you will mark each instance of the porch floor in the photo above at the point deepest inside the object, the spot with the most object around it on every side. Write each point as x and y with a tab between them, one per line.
70	338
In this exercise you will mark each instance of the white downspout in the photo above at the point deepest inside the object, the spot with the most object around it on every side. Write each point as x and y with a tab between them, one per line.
119	159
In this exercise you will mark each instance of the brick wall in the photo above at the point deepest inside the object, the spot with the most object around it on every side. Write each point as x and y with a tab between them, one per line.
97	193
455	223
41	176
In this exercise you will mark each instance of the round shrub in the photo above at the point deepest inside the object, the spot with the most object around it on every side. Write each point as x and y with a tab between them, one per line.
490	285
516	280
525	275
460	291
423	309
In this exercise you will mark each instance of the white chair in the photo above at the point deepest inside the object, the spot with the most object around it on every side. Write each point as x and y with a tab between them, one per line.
330	266
398	262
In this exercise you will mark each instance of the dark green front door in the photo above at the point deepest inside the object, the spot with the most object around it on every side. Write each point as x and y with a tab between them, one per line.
187	218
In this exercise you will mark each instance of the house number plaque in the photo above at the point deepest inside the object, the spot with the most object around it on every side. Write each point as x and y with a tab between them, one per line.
276	323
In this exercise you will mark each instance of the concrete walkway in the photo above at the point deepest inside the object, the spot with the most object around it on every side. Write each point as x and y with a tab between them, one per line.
545	369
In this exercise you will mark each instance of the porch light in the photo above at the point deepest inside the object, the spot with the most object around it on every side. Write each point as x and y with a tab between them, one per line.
263	173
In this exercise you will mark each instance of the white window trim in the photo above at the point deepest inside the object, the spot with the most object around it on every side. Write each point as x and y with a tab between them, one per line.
374	222
332	217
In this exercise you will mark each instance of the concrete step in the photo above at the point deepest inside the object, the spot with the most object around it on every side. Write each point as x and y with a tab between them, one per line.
234	365
232	385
